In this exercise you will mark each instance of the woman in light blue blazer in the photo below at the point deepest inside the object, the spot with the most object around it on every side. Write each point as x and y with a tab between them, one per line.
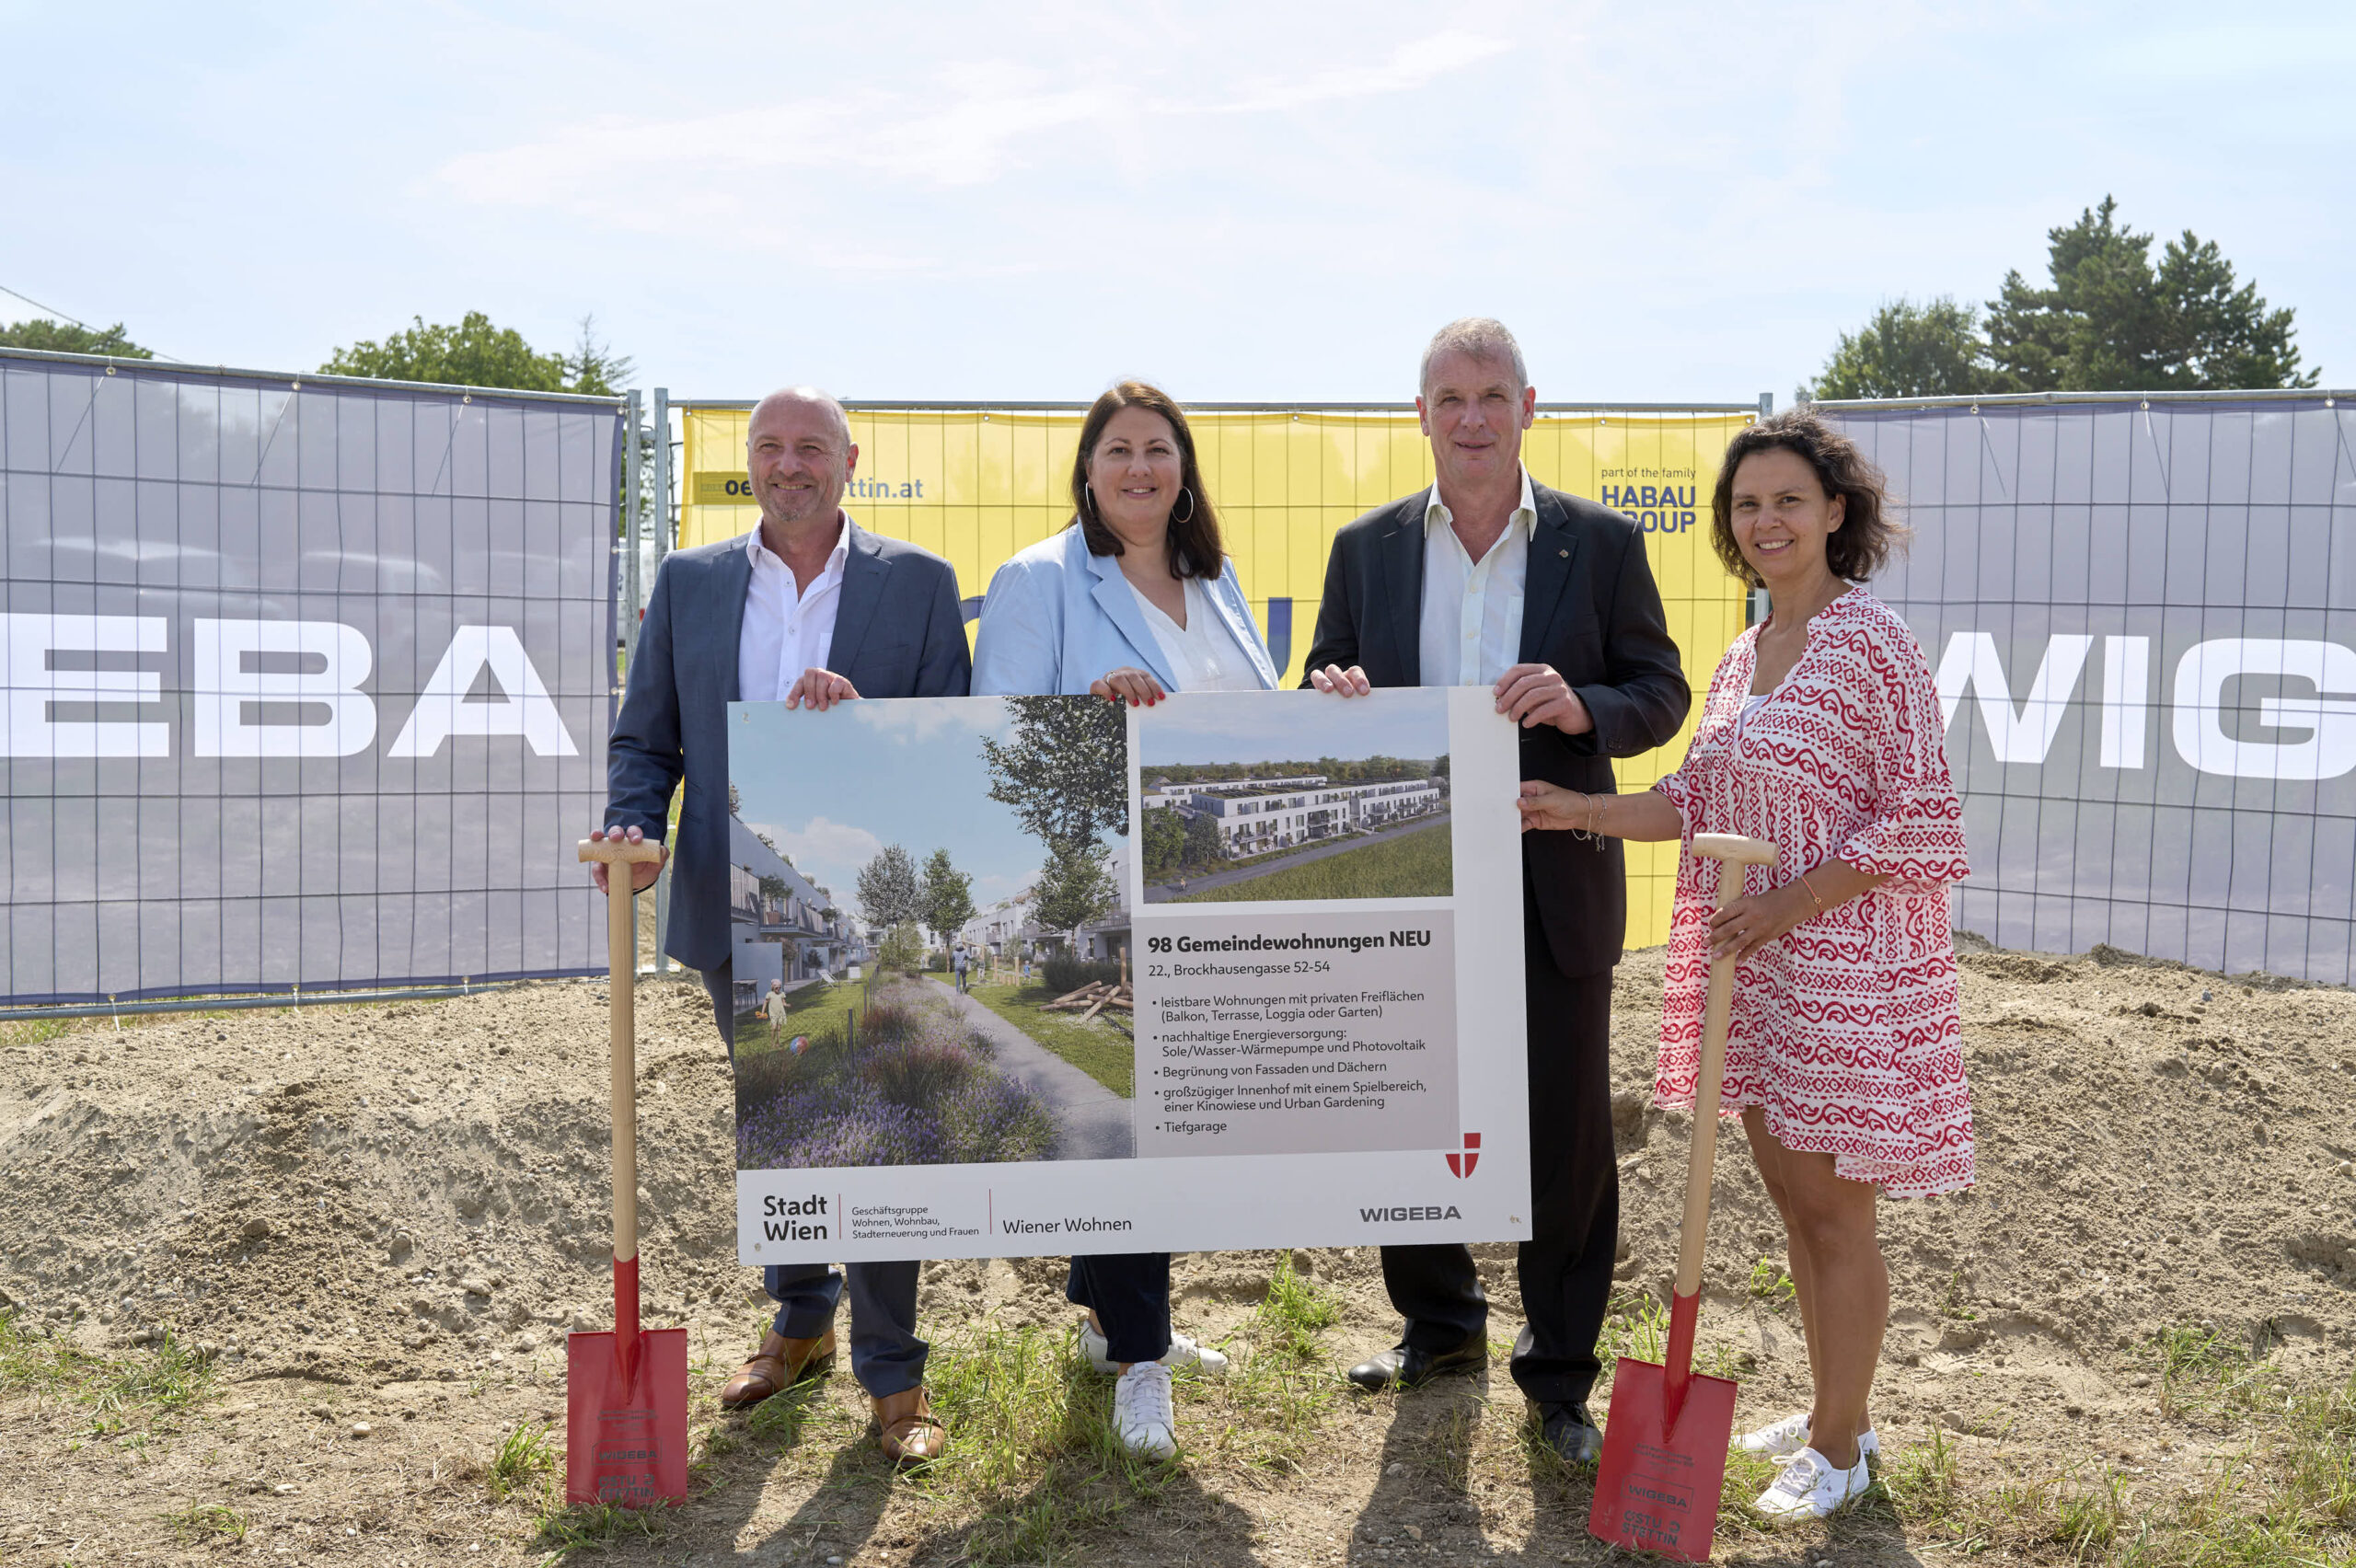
1136	599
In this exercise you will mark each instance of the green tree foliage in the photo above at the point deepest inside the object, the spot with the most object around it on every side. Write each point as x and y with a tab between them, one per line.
2108	321
1164	834
1202	842
66	338
890	892
1075	886
948	895
774	889
1932	349
1064	769
475	353
902	949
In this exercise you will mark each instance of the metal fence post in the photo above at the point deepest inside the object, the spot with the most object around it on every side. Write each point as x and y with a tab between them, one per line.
663	534
634	590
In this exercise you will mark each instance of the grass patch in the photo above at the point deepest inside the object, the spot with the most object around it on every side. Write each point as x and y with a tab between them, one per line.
2286	1498
1100	1048
36	1362
525	1456
1772	1285
162	1382
203	1522
1420	864
565	1530
2205	1372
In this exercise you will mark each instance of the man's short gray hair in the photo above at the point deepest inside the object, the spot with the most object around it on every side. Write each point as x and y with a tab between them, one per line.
1482	337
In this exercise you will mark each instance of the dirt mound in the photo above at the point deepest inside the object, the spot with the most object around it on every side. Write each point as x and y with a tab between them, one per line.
375	1203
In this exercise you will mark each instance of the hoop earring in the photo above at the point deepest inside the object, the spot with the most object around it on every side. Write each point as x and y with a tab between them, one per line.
1089	491
1190	506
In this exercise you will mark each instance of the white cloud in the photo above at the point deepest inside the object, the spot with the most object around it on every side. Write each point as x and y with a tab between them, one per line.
993	889
916	720
777	178
826	852
1411	65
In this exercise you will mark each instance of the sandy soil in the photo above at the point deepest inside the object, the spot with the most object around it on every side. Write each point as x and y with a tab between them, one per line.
384	1219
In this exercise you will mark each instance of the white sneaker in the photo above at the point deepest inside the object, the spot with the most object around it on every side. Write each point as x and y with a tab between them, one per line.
1141	1415
1184	1355
1782	1440
1810	1488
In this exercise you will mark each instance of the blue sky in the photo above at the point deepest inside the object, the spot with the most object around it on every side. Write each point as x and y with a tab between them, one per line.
1246	203
908	773
1290	726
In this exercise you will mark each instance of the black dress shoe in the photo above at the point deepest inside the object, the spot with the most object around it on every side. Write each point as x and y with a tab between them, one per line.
1571	1434
1403	1366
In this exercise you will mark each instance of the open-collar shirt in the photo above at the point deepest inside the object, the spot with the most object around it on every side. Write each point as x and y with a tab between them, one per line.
788	628
1471	619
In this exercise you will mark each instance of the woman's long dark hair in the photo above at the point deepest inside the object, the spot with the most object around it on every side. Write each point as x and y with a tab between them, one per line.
1856	550
1195	549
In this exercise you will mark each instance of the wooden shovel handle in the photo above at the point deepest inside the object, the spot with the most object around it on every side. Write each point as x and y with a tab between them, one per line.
622	966
1733	853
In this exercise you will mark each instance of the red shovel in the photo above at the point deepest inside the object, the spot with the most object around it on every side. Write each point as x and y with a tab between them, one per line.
1664	1443
626	1392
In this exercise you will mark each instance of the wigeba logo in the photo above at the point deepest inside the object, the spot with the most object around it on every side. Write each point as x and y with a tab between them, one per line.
1403	1214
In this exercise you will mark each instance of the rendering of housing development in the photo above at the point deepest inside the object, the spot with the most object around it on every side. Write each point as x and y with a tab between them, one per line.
1010	930
786	926
1257	815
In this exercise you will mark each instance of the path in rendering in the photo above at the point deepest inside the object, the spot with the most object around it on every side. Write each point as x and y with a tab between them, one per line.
1170	892
1096	1122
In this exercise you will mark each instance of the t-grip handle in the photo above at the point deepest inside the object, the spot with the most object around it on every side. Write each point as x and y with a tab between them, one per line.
1733	852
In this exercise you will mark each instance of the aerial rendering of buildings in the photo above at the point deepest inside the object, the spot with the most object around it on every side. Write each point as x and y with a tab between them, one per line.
1257	815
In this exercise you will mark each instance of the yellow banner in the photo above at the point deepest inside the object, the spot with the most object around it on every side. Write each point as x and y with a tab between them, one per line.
975	486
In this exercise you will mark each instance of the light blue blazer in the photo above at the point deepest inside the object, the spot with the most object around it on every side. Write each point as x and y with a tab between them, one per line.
1056	617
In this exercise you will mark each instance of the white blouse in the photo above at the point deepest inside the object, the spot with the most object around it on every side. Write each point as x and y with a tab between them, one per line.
1202	655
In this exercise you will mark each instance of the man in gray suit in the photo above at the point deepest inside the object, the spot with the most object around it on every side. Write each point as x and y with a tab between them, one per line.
811	609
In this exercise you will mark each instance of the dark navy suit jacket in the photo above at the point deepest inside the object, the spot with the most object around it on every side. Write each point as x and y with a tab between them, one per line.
1590	610
898	632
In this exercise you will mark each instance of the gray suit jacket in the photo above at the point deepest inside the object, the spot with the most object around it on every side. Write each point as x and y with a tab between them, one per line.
898	632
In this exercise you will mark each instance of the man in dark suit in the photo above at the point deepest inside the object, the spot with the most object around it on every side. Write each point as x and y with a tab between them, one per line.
813	609
1488	579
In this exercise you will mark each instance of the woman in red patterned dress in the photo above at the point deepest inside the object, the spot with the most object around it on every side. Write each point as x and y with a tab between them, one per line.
1823	735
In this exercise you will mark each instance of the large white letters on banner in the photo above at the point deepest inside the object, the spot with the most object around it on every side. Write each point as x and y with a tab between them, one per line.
224	689
2126	691
28	642
1971	660
2329	749
442	709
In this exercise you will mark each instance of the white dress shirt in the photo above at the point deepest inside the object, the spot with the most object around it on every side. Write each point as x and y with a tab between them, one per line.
788	630
1472	621
1203	655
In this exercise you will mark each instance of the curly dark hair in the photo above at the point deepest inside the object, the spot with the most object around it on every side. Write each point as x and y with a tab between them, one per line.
1195	546
1867	533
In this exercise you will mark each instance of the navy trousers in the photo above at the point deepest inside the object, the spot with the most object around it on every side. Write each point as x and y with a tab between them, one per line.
1564	1268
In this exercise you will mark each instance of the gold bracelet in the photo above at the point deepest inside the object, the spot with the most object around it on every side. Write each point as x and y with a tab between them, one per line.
1810	888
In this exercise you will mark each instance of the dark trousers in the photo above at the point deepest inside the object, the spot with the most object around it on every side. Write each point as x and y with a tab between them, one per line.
1565	1266
1130	1295
886	1356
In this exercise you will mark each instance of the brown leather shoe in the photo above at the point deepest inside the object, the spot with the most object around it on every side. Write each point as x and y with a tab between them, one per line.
780	1364
911	1434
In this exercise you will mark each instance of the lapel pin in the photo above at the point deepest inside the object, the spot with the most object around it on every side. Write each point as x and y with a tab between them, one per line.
1562	552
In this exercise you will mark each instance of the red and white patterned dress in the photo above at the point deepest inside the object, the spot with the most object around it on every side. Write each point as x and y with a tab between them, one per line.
1845	1028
